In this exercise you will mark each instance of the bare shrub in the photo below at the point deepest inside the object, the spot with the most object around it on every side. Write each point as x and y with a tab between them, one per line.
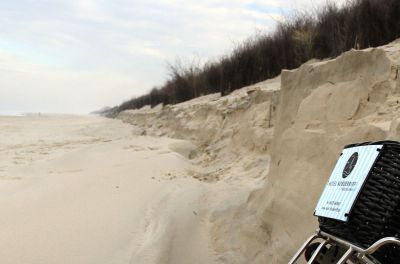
326	33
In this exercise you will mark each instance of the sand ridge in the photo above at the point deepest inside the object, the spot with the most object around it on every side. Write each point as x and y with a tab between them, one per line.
281	137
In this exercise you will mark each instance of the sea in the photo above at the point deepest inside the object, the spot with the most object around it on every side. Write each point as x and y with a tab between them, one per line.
11	113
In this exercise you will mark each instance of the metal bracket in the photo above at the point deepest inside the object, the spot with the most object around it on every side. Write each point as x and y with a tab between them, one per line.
352	252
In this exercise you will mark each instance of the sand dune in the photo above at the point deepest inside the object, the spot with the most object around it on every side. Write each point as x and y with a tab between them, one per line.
286	133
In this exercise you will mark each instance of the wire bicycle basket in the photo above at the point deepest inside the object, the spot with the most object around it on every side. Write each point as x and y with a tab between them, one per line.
359	209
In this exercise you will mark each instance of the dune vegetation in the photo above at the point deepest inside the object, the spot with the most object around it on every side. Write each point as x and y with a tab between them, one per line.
324	33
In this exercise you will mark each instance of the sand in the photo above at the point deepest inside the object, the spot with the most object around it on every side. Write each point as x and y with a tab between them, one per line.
231	179
233	135
81	189
287	134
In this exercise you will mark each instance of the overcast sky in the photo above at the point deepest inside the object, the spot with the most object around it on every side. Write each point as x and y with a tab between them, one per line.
75	56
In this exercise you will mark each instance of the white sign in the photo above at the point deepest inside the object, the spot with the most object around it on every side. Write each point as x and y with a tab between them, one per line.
346	181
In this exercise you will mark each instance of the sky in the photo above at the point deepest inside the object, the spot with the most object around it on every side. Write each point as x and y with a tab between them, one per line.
76	56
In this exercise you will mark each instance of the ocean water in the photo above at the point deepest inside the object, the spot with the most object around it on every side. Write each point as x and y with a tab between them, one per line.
11	113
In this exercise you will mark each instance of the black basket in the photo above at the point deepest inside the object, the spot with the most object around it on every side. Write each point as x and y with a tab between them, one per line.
376	212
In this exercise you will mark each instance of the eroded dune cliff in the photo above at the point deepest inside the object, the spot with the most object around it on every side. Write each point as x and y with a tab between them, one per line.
283	136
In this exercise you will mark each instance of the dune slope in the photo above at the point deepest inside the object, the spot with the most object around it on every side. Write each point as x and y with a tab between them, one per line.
283	135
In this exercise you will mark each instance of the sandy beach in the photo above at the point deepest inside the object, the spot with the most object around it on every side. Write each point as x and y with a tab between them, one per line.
218	179
83	189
